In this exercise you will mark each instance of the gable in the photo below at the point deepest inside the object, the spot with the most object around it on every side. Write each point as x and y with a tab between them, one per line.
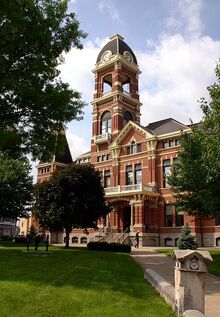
131	130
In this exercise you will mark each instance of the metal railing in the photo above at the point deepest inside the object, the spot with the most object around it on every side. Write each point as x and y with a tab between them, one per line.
124	235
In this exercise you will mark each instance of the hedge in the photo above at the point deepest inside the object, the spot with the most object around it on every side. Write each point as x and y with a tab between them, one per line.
6	238
20	240
105	246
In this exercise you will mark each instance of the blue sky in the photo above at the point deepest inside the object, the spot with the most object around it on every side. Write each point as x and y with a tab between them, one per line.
177	45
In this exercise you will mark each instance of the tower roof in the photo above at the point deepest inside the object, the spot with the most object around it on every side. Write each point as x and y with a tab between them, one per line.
61	152
117	46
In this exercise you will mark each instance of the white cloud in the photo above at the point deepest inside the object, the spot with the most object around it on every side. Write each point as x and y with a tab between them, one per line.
77	144
187	14
175	75
108	6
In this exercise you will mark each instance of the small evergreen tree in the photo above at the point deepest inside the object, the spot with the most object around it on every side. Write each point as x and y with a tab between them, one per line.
186	240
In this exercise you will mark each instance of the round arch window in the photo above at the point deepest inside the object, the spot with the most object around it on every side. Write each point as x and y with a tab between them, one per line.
106	122
127	117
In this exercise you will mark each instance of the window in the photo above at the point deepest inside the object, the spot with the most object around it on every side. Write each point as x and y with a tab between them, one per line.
177	142
168	210
45	170
166	172
106	122
168	242
166	144
137	174
217	220
134	148
179	218
102	158
127	117
107	178
129	175
170	143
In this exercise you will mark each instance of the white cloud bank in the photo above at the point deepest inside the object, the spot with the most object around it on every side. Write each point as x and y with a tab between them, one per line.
175	75
175	72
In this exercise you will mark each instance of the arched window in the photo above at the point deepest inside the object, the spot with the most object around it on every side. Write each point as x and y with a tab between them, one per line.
126	84
218	242
168	242
107	84
83	240
74	240
127	117
106	122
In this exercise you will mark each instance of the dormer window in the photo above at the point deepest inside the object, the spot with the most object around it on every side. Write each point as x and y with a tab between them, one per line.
106	122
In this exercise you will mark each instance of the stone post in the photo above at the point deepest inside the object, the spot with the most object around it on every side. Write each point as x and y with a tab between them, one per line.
190	275
132	217
106	228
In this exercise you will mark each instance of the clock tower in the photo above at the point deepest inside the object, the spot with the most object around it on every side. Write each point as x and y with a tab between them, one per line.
116	96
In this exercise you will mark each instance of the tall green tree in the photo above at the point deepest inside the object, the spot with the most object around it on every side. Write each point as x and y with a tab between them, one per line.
195	179
34	102
72	198
15	187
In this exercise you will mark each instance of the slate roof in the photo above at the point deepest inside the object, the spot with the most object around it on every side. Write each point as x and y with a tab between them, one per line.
165	126
62	152
117	46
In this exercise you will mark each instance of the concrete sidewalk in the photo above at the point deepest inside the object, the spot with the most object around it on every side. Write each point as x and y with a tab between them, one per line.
164	266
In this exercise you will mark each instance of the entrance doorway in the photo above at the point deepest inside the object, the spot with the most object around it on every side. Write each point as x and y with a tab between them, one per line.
127	218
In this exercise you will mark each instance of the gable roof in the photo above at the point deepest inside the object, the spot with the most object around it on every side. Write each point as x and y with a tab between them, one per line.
127	128
165	126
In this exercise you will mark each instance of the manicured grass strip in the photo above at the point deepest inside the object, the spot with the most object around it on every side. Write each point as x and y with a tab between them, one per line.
75	283
213	268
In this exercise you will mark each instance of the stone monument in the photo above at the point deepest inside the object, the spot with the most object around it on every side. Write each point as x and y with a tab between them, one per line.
190	275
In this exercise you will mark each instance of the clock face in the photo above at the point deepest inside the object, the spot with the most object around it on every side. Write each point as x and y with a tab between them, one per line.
106	56
194	264
128	57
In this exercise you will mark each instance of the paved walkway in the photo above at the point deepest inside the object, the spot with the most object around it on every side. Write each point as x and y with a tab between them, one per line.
164	266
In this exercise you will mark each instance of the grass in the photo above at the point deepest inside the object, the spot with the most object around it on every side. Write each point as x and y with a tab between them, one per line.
213	268
75	283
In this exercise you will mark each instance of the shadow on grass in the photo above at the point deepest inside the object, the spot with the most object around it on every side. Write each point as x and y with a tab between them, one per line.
78	267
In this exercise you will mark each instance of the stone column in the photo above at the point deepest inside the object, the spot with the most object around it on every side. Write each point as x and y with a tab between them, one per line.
132	217
106	229
190	276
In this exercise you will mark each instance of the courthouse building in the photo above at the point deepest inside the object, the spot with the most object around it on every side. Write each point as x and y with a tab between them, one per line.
133	159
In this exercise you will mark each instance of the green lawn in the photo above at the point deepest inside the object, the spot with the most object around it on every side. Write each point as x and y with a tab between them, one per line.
75	283
213	268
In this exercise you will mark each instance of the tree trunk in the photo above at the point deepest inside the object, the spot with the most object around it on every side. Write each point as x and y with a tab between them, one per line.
67	238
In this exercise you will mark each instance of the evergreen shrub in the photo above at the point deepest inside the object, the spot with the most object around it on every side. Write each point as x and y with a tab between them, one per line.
186	240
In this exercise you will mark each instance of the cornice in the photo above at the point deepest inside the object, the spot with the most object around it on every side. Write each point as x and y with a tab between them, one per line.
113	59
114	96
